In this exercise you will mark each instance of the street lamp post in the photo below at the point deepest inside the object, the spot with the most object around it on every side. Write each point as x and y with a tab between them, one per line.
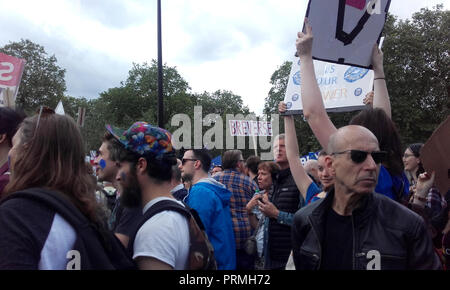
160	73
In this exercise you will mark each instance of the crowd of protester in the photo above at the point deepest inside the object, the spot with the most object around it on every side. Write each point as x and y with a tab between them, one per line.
362	204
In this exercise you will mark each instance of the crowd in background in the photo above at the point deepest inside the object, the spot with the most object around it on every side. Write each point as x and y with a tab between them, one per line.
366	202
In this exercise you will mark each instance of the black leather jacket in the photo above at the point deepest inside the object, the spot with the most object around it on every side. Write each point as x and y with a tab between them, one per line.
386	236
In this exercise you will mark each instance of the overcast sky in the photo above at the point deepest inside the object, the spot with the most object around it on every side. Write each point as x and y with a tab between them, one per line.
231	45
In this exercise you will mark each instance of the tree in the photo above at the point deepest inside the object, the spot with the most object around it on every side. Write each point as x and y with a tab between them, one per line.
416	62
222	103
136	100
142	84
279	81
42	80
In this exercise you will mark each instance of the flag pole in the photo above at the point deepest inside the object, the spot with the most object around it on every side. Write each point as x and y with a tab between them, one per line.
160	73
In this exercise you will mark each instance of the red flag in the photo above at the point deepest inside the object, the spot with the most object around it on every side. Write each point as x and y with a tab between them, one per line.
11	69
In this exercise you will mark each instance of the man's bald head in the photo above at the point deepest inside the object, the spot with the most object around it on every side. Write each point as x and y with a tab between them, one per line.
345	136
353	177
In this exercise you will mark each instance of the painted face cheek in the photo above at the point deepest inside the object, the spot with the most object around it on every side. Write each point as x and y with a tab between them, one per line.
102	164
123	176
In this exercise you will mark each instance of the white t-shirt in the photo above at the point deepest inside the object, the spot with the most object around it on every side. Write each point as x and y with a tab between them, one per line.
165	237
59	243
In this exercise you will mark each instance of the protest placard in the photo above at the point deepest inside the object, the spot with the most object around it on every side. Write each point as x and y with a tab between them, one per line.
346	30
309	156
435	153
343	87
11	69
250	128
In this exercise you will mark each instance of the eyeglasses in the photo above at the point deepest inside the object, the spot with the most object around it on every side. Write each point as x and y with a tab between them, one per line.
406	155
359	156
184	160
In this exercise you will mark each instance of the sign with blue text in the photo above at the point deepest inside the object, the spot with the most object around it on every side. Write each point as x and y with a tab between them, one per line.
343	87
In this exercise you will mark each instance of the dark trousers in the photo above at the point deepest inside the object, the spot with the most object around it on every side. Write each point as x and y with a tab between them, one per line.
244	261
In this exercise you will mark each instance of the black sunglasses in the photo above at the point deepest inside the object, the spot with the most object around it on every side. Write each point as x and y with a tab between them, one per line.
184	160
359	156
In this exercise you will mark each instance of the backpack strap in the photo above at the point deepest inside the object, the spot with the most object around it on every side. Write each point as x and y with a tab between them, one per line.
201	250
155	209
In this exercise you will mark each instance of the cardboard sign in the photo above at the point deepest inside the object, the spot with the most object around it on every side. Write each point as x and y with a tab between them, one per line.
346	30
343	87
435	156
309	156
11	69
250	128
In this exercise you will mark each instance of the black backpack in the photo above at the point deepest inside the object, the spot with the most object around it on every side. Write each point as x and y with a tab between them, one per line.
201	251
99	250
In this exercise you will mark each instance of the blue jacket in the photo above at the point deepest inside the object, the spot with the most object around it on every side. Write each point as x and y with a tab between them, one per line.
390	186
211	200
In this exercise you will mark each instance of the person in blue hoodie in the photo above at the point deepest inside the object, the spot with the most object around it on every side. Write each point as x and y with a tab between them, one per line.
211	200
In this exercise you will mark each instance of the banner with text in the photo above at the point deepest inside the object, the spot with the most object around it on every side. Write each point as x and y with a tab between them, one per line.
250	128
11	69
343	87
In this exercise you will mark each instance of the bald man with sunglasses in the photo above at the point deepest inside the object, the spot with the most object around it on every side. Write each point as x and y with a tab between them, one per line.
353	228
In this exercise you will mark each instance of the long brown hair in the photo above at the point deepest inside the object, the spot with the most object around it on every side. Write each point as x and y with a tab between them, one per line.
377	121
51	155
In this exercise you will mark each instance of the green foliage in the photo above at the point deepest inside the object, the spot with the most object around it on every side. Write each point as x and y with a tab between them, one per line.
416	62
42	80
222	103
279	81
136	100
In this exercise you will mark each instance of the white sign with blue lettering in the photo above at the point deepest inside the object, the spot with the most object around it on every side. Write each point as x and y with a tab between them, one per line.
343	87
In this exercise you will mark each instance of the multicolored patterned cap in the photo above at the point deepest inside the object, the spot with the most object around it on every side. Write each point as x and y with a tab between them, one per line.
143	138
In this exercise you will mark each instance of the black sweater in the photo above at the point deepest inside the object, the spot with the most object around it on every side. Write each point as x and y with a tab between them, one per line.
42	229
